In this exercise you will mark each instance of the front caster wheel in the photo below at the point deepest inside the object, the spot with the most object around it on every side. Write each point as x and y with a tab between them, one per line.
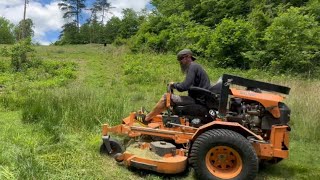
115	148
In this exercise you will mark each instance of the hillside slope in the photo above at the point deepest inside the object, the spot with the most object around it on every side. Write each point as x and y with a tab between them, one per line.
56	134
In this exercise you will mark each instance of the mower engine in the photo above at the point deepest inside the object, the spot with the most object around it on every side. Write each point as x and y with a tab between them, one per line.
254	116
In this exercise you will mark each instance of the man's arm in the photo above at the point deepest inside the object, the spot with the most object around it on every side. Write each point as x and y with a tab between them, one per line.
188	81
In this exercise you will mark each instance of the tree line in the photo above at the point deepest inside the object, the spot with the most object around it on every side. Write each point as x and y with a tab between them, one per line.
278	36
10	33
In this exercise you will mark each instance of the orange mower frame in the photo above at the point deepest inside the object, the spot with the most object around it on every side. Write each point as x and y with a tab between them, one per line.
222	161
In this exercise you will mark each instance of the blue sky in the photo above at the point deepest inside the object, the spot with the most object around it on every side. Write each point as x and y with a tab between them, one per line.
47	17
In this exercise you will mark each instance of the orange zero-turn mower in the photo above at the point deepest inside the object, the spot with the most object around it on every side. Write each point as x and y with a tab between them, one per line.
225	135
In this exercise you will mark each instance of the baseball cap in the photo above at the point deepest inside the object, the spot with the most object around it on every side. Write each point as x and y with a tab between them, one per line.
185	52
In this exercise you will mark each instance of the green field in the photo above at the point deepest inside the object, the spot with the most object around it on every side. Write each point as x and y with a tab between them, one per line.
50	126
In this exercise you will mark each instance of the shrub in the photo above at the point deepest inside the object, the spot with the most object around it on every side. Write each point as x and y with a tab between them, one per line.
169	34
19	58
229	41
292	43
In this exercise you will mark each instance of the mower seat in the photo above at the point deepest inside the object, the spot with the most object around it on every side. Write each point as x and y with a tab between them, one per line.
205	100
193	111
216	89
205	97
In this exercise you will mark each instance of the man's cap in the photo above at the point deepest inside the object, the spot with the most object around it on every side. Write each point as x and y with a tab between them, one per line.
185	52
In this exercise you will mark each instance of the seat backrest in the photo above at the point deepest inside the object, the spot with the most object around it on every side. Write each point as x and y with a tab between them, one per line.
204	97
216	88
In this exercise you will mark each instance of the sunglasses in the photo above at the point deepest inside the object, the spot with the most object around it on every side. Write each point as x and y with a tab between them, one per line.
181	58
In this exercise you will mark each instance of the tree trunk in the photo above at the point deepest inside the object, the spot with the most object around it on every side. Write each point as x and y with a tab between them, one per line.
78	23
102	15
24	21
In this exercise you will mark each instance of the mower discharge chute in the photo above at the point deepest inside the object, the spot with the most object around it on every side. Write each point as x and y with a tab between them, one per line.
223	136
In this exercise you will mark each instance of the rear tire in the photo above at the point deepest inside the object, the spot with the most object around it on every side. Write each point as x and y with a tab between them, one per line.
223	154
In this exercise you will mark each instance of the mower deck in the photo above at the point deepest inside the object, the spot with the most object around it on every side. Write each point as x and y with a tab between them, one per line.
142	156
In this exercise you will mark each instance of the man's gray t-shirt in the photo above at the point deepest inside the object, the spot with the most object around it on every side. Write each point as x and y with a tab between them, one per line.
196	77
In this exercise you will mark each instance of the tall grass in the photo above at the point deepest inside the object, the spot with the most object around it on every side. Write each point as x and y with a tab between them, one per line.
59	135
27	152
73	109
304	104
140	80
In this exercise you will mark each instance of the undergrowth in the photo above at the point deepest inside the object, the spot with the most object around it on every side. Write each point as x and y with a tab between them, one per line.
72	109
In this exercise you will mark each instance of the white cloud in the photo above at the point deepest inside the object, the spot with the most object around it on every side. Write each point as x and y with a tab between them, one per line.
45	17
119	5
48	18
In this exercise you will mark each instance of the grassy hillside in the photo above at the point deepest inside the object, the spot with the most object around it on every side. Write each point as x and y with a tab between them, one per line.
56	132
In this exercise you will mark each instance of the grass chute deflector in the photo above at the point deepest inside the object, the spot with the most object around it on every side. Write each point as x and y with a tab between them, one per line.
224	135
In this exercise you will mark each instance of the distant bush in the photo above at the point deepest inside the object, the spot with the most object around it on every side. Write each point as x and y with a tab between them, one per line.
292	43
169	34
19	56
4	52
229	41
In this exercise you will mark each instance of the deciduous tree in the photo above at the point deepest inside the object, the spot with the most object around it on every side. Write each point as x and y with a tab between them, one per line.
24	27
6	31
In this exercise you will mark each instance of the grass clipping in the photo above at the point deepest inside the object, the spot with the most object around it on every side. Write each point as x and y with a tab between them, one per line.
143	153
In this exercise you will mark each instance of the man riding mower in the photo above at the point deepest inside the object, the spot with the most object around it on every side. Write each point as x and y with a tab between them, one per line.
223	135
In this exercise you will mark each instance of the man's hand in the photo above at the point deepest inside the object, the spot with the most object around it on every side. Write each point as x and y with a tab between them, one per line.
171	84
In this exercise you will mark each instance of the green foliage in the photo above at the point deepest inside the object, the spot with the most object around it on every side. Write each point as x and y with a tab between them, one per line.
90	32
211	12
42	75
72	8
313	9
70	34
169	7
187	35
60	135
19	54
161	35
292	43
4	51
229	41
96	32
24	29
260	18
73	109
228	33
138	71
6	31
111	30
129	23
102	6
35	73
151	35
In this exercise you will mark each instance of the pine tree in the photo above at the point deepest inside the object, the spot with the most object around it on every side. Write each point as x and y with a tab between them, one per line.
72	8
102	6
